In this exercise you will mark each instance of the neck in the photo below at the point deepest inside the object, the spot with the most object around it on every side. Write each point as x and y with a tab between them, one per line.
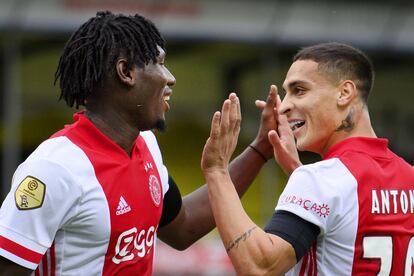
111	123
361	127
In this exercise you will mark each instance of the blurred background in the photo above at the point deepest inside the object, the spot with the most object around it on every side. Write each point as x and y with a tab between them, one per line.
213	48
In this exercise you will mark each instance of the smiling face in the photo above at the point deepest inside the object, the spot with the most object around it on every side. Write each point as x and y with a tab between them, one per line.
147	100
310	104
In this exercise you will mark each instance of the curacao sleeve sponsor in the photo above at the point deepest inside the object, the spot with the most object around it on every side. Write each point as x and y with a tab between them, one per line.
320	193
43	197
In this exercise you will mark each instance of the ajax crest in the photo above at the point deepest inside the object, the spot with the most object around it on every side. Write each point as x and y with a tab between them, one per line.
155	189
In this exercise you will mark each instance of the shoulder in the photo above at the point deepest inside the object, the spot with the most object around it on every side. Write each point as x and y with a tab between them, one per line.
58	161
327	172
318	192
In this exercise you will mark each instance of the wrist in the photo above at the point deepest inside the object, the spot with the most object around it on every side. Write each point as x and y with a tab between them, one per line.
258	153
216	172
293	166
216	175
264	147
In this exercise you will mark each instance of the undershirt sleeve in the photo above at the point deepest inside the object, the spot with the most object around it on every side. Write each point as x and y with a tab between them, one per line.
300	233
172	203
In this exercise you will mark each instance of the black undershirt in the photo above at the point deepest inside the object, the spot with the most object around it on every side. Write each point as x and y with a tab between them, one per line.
171	204
300	233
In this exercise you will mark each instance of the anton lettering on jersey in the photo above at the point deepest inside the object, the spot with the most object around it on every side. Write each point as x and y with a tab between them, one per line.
392	201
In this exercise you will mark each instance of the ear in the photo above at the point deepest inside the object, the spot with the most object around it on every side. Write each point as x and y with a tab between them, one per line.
125	75
347	92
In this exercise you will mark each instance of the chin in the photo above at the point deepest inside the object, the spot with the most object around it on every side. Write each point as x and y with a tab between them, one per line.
161	125
303	146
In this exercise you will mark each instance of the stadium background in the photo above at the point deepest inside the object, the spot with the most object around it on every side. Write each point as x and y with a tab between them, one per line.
214	47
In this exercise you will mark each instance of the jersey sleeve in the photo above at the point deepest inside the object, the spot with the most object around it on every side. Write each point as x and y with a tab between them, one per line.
42	199
318	193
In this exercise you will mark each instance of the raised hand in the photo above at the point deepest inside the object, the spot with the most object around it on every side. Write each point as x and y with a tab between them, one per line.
278	135
283	142
267	123
225	128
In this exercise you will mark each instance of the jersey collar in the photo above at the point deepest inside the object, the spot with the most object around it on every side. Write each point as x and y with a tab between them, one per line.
93	136
372	146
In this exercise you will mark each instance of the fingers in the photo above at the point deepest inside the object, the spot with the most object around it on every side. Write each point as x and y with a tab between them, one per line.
235	113
238	110
260	104
271	98
278	100
225	115
228	119
274	138
283	126
215	125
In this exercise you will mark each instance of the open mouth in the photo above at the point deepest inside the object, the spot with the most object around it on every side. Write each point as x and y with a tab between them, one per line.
294	125
166	98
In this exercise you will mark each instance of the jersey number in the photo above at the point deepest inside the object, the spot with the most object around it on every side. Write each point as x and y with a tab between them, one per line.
381	248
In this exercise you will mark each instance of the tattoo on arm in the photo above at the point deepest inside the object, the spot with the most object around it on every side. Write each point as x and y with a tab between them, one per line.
242	237
347	124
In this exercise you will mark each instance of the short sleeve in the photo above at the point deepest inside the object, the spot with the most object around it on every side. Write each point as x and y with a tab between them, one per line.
42	199
318	192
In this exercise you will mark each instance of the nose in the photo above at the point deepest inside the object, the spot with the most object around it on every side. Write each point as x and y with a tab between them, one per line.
286	105
170	78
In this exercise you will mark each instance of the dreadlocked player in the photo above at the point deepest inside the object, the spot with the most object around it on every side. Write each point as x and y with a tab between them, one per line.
90	199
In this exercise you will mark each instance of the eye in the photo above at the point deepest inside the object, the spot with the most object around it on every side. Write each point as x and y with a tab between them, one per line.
299	90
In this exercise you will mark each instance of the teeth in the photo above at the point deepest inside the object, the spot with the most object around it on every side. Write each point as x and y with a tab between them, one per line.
296	124
166	98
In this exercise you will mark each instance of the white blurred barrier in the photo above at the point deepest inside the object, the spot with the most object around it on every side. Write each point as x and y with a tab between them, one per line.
206	257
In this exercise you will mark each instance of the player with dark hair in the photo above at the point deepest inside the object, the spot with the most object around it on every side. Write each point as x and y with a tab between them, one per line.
91	199
349	214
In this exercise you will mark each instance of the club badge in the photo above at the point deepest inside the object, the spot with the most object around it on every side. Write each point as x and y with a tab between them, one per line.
155	189
30	193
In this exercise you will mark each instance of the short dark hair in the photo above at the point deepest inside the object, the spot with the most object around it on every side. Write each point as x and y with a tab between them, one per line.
342	62
90	54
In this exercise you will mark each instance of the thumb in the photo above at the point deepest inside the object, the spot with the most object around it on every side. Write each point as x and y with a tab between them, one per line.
274	138
260	104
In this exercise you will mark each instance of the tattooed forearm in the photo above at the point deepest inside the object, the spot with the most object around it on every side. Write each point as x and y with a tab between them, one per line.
348	123
242	237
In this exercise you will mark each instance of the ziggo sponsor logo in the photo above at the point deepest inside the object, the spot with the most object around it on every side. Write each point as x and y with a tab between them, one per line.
132	242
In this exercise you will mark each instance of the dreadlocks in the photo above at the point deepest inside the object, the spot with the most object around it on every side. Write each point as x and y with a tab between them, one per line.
92	51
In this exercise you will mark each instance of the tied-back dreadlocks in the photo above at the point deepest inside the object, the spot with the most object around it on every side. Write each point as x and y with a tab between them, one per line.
91	52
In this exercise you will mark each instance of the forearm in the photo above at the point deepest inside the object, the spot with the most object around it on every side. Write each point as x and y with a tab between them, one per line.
244	169
251	250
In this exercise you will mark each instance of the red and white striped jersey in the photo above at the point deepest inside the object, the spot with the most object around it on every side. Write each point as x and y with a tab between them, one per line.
361	196
79	205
